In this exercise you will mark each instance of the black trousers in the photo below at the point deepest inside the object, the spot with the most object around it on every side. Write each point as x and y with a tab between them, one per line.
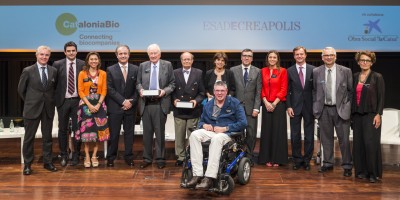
128	122
31	126
366	146
68	110
295	136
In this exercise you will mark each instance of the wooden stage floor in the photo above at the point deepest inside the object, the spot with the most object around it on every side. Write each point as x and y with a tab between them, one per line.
123	182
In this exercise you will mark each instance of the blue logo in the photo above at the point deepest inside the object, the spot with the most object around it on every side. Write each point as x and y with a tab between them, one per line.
371	25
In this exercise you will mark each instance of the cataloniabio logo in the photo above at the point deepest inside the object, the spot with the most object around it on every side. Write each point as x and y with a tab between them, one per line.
67	24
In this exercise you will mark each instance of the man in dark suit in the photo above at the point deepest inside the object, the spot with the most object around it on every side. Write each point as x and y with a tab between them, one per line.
37	87
189	87
155	74
67	100
121	101
299	106
332	93
248	91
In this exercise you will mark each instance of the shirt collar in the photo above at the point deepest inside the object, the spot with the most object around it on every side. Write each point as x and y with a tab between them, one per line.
248	68
69	61
39	65
298	66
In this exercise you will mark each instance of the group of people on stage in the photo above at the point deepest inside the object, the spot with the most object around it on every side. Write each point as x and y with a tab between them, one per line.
226	100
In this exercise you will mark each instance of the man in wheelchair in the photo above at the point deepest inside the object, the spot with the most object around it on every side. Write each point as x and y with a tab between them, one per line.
222	116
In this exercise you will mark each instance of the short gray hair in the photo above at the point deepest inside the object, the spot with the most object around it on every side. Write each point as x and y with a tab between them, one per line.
328	48
220	83
42	47
153	46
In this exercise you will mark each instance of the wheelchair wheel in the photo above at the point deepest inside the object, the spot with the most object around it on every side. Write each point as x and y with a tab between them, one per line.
226	185
244	171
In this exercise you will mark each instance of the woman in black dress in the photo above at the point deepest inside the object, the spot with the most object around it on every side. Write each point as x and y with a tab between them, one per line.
367	109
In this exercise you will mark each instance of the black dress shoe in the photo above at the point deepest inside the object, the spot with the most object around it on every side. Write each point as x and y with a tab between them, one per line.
193	182
75	159
161	165
372	179
27	170
296	167
325	169
205	184
307	166
347	172
64	161
129	162
361	176
50	167
110	163
178	163
144	164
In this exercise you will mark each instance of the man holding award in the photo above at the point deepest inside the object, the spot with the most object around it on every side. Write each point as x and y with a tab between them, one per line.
155	83
187	97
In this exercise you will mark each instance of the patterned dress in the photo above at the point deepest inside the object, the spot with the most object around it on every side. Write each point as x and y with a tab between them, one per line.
93	127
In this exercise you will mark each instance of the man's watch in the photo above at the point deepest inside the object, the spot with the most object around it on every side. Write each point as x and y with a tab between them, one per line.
227	128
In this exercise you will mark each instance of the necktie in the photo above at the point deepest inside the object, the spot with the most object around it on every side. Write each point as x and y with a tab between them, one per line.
153	79
71	79
124	72
245	76
329	88
44	77
186	71
301	76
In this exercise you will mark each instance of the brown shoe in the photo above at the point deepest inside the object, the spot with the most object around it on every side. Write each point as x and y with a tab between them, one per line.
205	184
193	182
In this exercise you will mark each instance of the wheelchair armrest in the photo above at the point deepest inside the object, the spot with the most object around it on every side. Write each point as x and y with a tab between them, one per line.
236	134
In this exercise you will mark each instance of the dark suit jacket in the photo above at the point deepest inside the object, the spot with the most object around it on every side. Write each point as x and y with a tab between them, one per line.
344	90
297	97
166	81
118	90
193	89
35	96
372	94
210	78
62	79
249	95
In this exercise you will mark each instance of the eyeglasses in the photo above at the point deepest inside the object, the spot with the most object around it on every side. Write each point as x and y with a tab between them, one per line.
364	61
187	59
219	91
329	55
247	56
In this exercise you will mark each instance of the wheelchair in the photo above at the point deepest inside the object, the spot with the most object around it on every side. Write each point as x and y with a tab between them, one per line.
233	165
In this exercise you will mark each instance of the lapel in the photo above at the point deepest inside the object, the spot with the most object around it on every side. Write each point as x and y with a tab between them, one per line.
182	78
36	75
50	75
161	71
129	73
339	76
240	73
118	70
308	75
78	63
321	77
295	74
